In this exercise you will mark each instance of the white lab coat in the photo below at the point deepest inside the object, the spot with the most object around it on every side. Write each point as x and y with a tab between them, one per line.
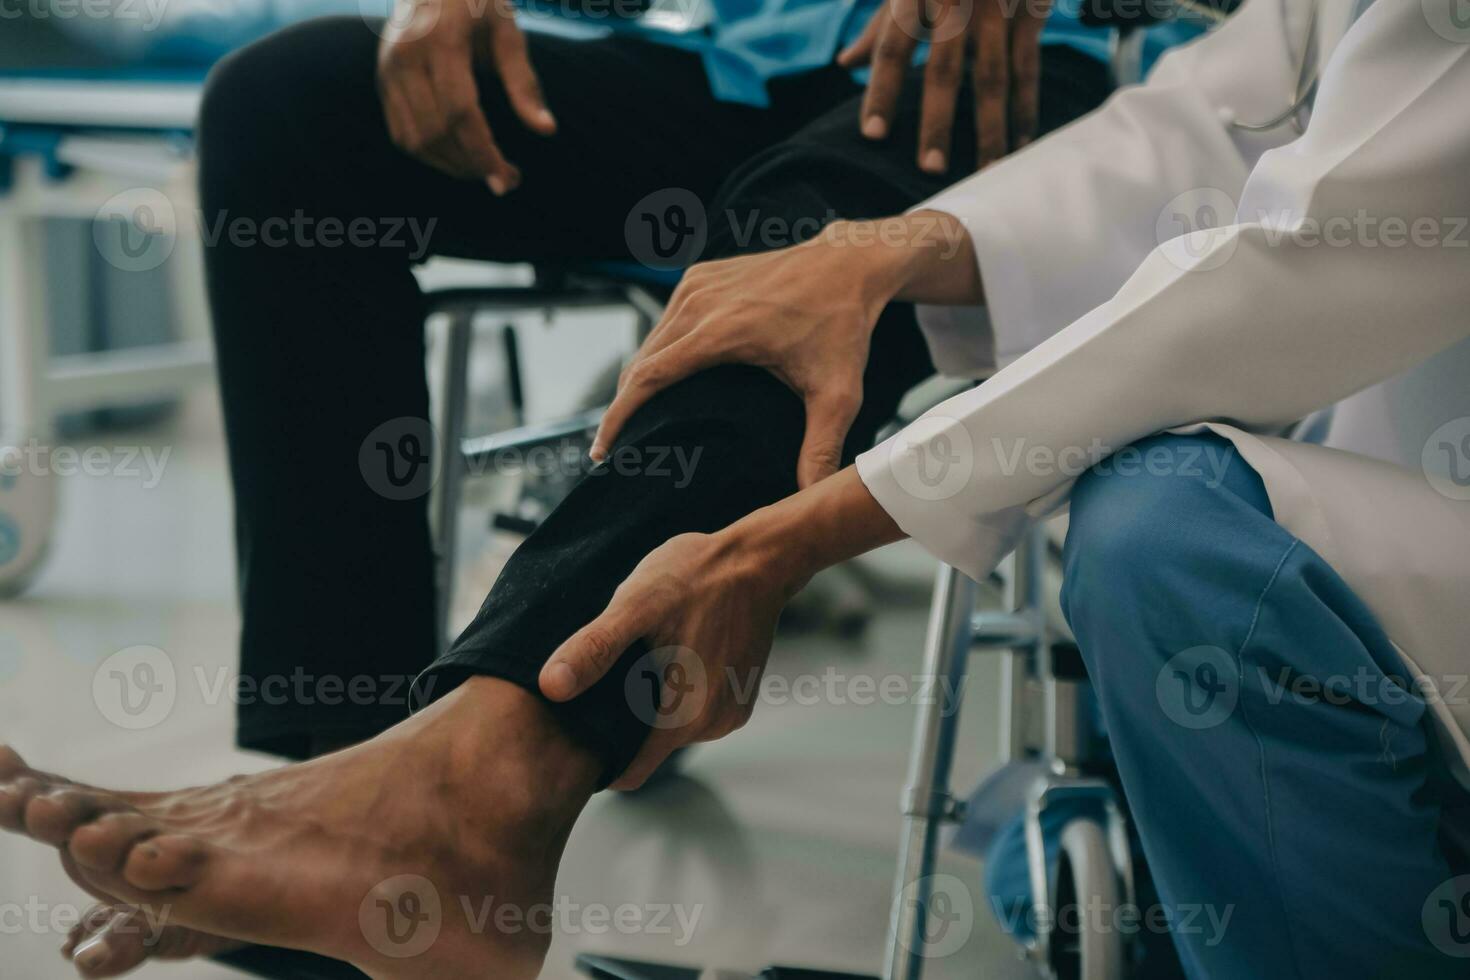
1110	326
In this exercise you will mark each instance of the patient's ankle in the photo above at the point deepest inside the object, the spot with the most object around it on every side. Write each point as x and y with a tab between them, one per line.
500	737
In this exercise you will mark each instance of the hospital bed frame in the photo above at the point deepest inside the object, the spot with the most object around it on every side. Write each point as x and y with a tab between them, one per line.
70	143
35	387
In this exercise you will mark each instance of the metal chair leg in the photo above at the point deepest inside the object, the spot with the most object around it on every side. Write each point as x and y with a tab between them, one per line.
927	802
24	355
514	381
446	499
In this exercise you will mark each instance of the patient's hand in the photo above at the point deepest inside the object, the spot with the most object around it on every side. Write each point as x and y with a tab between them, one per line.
1004	37
426	79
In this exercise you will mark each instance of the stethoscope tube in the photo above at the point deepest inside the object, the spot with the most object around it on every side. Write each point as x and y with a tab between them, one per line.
1308	77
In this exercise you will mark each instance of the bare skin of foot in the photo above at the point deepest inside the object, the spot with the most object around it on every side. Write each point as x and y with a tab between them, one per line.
114	939
386	855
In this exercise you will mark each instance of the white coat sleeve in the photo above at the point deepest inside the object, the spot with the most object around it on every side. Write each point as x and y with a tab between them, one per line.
1059	226
1346	264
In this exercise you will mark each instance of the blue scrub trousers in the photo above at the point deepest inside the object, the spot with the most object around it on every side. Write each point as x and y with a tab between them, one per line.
1277	768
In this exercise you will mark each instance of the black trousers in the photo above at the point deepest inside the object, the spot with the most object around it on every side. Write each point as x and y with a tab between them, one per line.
313	220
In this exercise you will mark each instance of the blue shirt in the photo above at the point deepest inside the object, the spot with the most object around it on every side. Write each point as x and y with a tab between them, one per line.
744	43
748	42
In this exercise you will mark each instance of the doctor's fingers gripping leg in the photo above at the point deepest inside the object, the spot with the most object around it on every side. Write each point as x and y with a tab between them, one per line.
1286	788
313	220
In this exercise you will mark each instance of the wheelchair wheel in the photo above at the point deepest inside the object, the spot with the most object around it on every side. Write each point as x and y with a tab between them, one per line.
1085	943
27	510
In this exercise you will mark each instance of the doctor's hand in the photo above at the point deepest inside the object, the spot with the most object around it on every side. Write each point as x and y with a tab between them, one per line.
709	604
1004	38
426	78
805	314
707	607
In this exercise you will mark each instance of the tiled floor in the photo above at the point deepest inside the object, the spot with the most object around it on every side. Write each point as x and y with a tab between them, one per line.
781	840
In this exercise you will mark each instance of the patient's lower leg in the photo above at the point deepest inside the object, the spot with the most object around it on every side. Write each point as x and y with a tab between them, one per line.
385	855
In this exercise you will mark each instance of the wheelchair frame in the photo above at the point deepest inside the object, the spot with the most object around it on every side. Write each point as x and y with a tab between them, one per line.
462	455
1022	635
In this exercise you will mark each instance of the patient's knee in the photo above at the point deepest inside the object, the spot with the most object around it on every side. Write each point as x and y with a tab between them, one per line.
786	194
277	105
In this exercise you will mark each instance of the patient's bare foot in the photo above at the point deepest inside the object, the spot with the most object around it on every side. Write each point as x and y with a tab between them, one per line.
387	854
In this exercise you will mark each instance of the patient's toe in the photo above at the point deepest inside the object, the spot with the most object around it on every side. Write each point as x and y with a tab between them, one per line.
15	796
111	940
52	817
92	921
165	862
114	939
104	844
